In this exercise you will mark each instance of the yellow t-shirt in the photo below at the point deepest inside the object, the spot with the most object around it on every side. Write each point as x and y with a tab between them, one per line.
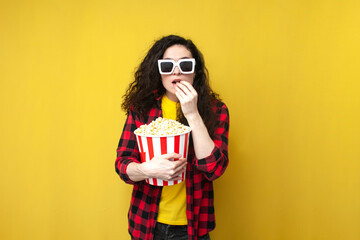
172	207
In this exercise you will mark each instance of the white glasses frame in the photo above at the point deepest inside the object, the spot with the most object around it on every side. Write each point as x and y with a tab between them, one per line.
177	64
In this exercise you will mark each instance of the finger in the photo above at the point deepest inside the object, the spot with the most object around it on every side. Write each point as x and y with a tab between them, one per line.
184	88
171	155
173	176
179	164
180	169
179	96
180	161
189	86
180	91
179	173
177	178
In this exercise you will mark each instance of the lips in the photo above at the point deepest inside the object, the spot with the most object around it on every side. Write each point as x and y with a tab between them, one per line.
175	81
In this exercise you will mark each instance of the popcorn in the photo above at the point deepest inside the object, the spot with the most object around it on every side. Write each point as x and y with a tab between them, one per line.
162	127
160	137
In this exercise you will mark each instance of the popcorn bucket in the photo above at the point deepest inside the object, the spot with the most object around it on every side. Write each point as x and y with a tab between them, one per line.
152	146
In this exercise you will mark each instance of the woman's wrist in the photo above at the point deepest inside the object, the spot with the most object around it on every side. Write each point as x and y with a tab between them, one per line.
136	172
194	118
203	144
142	170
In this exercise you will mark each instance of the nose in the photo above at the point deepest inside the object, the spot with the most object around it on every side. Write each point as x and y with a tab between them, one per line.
176	71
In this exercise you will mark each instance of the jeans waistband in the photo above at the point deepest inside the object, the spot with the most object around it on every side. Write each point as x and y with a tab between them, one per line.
168	226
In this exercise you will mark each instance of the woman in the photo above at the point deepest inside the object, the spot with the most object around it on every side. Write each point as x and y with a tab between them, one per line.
172	82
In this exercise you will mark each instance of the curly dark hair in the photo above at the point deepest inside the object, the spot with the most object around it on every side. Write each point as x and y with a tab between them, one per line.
142	93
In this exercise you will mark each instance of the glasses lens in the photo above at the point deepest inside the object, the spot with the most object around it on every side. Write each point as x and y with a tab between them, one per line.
186	66
166	67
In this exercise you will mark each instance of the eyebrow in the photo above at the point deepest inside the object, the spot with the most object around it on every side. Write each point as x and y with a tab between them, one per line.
179	58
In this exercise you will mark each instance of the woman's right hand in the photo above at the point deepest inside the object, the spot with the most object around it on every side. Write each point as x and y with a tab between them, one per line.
163	168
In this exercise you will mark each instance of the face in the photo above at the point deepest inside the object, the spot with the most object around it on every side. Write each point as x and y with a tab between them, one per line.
176	52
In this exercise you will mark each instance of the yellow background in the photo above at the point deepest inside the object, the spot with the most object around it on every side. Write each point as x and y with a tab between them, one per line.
288	71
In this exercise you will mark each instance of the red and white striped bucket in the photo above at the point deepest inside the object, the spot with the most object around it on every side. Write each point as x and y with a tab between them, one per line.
152	146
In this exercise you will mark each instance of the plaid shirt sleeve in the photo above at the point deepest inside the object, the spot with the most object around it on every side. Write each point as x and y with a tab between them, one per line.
127	152
215	164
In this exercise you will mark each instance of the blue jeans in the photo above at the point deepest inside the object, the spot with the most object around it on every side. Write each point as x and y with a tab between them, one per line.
173	232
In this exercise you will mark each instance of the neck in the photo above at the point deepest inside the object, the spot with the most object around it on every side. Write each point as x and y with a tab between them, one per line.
172	97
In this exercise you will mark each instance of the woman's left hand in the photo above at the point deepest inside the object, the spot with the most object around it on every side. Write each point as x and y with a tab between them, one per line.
188	97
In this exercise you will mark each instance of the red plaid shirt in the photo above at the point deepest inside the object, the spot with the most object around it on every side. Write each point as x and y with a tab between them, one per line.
199	176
